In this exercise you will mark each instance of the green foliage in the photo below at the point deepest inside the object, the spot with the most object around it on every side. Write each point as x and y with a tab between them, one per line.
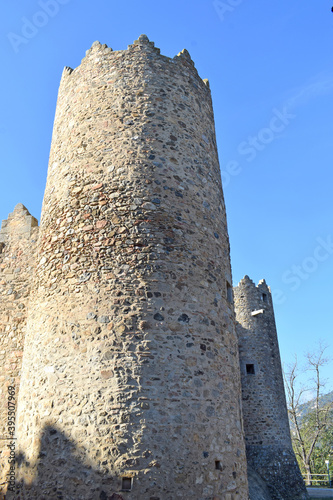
311	429
323	449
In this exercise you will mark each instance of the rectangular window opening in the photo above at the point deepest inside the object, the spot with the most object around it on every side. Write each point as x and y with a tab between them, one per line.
218	465
264	297
229	292
126	483
250	369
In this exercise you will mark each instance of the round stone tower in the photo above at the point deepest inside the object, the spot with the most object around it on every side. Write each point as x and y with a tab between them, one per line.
130	385
266	425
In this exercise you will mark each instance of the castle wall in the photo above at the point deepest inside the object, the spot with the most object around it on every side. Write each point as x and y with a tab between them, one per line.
131	380
266	425
18	237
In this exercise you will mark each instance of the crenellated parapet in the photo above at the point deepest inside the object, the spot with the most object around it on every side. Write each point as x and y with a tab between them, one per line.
143	41
19	224
101	54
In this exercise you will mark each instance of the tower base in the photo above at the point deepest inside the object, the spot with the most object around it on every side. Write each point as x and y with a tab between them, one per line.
278	468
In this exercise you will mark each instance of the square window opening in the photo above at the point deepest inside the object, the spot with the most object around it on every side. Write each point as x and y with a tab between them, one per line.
126	483
250	369
229	292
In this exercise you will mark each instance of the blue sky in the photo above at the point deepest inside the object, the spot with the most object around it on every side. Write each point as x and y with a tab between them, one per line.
270	70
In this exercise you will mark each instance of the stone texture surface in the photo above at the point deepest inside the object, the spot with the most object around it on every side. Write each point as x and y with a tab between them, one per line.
257	487
130	381
18	237
268	443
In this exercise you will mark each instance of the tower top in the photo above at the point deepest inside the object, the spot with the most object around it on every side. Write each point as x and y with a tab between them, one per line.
143	39
18	224
246	282
99	51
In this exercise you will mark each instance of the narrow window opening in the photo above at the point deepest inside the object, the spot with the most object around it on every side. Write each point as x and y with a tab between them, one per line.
250	369
126	483
229	292
264	297
218	465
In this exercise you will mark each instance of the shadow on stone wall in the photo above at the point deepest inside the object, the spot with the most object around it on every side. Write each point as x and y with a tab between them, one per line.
61	473
257	487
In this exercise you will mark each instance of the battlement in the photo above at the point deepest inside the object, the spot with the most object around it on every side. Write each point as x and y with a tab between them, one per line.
246	281
99	50
18	225
143	40
250	297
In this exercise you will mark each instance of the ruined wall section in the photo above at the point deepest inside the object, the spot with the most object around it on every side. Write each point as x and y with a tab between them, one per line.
267	435
18	238
131	369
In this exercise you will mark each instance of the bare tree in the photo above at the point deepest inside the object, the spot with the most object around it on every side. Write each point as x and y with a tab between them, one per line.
305	437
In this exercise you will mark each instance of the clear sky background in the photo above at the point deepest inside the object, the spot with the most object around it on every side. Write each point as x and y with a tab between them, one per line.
270	70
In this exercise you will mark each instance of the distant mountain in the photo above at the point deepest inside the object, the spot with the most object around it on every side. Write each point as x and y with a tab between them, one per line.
310	405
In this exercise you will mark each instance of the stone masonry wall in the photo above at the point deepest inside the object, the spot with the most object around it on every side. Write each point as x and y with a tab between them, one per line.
18	237
267	435
131	384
